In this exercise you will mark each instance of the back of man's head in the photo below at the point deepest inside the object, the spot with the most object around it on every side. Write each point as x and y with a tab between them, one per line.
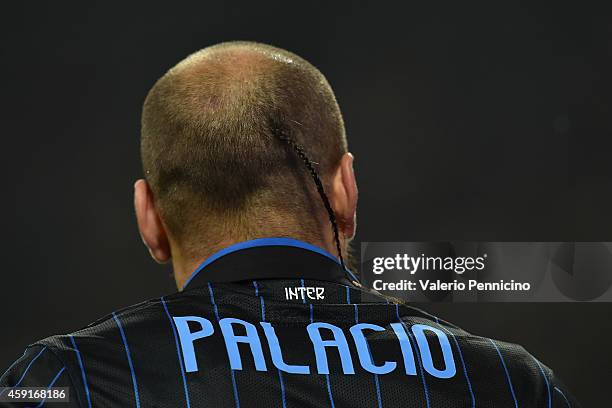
210	145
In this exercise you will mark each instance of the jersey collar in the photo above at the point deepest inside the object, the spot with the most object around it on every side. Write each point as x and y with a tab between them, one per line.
269	258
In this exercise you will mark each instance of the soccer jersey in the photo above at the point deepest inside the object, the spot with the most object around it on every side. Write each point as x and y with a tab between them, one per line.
277	322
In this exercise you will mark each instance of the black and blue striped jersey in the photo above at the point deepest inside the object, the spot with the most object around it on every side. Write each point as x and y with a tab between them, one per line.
277	322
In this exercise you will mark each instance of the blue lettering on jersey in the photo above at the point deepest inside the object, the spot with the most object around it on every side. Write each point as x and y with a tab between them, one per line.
402	336
338	342
447	352
232	340
363	350
277	355
187	337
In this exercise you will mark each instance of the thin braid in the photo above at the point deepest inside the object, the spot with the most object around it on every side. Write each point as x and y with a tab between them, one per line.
315	176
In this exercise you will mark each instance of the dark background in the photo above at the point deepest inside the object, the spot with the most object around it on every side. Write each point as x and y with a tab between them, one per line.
488	122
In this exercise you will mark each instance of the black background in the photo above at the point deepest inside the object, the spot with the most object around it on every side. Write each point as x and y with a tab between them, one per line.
487	122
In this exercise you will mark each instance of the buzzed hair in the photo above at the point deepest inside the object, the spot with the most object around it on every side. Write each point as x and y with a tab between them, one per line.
210	141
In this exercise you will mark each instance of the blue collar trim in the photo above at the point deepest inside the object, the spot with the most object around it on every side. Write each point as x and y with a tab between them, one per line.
261	242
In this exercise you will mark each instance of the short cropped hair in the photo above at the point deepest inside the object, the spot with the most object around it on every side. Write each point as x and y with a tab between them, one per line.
209	141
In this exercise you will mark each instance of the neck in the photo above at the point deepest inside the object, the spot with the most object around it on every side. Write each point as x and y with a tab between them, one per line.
186	261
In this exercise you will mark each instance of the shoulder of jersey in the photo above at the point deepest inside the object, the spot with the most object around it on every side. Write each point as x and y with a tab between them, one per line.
106	327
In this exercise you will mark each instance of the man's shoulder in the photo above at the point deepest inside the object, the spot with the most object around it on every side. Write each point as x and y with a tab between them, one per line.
493	366
146	319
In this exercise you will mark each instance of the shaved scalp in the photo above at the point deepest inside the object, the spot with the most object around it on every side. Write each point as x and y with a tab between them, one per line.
210	146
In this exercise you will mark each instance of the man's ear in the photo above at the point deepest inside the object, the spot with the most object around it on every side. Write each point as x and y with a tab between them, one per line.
343	196
151	228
